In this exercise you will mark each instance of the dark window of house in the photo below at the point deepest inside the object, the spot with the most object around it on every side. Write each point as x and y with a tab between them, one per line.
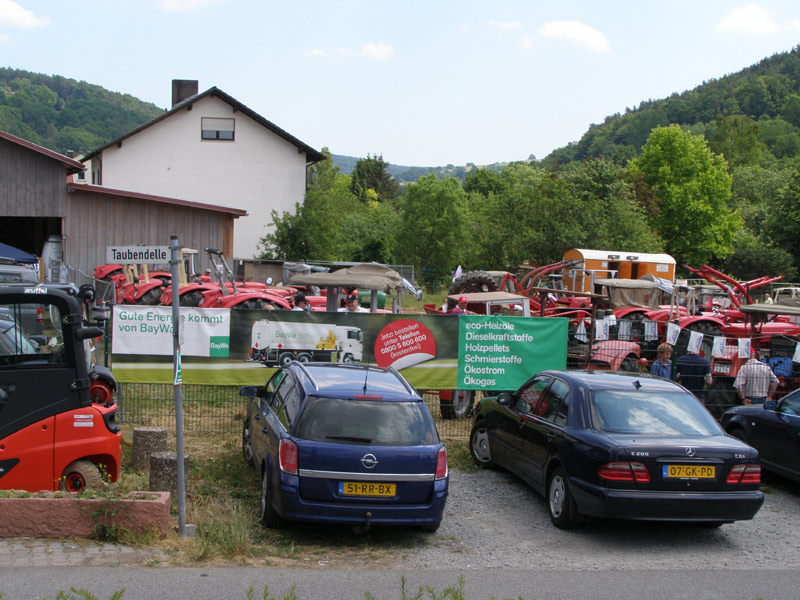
217	129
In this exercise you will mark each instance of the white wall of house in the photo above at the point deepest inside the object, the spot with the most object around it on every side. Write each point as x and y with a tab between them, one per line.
258	171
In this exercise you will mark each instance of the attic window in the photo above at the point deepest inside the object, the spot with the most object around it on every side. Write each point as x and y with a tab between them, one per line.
217	129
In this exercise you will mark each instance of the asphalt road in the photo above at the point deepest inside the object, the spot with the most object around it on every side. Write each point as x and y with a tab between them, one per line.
232	583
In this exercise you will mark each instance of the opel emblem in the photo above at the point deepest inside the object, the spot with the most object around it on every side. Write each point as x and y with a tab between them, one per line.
369	461
689	452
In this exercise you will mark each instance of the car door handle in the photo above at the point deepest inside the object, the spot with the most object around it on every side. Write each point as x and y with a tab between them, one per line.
550	437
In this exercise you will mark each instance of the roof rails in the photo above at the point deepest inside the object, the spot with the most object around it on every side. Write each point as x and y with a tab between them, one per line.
313	381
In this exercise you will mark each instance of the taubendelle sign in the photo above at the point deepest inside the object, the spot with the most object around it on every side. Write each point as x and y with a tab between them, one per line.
147	330
137	255
244	346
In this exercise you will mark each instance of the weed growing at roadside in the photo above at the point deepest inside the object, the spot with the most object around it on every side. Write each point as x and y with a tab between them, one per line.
292	595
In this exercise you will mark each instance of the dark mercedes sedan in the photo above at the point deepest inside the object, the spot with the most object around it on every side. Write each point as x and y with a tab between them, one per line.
623	446
773	429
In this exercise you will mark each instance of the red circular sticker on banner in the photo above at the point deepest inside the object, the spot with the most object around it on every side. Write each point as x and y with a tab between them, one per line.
404	343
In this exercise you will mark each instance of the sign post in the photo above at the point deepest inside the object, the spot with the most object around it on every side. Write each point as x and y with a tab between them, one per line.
174	261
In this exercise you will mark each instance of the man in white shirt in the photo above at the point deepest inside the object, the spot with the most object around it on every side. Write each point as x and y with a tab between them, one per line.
755	382
352	305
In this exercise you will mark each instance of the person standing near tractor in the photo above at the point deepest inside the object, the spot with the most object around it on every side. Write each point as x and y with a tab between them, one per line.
755	382
461	307
694	371
662	365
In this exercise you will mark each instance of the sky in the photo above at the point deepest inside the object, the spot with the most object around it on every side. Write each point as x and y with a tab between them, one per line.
421	83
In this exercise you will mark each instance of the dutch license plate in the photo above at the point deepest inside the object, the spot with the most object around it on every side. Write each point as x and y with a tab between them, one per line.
688	472
364	488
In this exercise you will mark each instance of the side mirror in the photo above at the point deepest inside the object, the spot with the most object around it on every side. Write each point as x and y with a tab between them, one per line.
505	398
88	332
771	405
252	391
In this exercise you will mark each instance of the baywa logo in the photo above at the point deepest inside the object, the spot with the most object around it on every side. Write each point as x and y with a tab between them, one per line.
220	345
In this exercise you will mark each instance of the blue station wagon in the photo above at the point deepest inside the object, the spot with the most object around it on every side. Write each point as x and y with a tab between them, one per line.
346	444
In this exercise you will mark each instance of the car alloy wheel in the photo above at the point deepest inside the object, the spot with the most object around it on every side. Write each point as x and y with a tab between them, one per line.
559	500
479	445
247	447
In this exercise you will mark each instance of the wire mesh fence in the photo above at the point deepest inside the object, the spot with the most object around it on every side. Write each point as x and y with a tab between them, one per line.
220	409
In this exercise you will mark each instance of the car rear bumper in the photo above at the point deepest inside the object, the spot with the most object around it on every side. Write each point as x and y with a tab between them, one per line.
295	508
598	501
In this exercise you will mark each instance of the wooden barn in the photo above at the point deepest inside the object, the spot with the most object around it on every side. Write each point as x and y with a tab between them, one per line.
40	206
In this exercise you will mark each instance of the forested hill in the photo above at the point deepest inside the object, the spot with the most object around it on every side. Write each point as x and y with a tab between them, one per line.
752	116
761	103
63	114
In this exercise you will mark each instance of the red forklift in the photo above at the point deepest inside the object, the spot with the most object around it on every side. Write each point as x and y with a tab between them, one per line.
57	410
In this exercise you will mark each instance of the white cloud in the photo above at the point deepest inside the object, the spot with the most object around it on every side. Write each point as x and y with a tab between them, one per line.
527	41
4	37
185	5
316	52
465	27
576	33
752	19
371	50
13	14
506	25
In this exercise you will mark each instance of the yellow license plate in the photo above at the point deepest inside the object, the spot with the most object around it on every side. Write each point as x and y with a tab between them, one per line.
688	472
363	488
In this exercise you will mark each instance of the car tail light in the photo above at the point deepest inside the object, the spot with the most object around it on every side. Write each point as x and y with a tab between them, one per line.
624	471
39	315
367	397
744	474
287	456
441	464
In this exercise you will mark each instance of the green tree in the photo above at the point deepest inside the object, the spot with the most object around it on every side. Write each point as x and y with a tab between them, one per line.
753	258
432	219
784	221
609	213
319	226
693	186
736	139
372	173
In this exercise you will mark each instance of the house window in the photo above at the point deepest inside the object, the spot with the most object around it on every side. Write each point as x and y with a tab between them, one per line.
217	129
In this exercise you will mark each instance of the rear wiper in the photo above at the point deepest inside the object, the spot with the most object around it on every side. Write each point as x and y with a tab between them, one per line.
348	438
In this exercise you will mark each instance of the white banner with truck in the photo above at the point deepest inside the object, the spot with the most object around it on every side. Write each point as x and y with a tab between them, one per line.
148	330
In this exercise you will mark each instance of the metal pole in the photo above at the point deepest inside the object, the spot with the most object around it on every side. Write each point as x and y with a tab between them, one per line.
176	361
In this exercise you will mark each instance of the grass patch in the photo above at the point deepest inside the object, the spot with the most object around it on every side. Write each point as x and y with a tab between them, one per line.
222	501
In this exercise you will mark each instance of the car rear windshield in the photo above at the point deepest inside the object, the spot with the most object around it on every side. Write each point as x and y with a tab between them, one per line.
649	413
369	422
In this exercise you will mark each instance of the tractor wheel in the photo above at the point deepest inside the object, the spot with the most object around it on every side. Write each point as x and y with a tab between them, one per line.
81	475
253	304
151	297
473	281
459	406
720	397
193	298
630	364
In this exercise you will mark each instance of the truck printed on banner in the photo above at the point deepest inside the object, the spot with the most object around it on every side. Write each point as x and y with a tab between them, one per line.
277	343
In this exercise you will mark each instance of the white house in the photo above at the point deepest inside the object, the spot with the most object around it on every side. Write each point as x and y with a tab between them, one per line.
212	149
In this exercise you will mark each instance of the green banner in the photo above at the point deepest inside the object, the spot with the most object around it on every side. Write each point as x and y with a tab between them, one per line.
502	353
431	351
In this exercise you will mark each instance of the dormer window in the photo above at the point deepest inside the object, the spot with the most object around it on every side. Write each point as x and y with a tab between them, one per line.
217	129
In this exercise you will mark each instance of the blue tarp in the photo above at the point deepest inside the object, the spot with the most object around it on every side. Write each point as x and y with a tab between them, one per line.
18	255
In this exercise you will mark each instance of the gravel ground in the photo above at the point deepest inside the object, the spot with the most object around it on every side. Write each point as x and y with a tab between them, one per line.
493	520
